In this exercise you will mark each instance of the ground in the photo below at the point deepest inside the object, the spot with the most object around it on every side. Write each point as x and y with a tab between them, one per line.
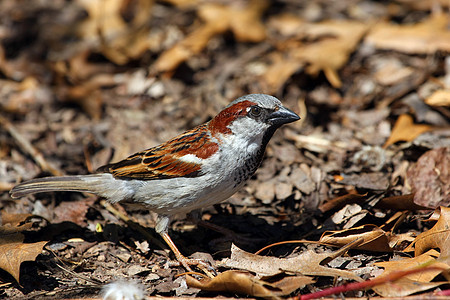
354	182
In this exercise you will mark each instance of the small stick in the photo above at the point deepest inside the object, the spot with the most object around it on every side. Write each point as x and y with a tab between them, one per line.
5	186
26	146
366	284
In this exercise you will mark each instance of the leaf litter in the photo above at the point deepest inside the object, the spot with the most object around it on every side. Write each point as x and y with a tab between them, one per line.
91	82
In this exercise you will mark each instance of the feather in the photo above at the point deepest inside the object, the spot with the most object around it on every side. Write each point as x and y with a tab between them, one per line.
77	183
175	158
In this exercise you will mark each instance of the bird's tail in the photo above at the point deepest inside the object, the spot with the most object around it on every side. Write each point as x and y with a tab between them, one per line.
79	183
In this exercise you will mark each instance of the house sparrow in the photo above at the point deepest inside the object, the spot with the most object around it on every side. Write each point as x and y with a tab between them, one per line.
198	168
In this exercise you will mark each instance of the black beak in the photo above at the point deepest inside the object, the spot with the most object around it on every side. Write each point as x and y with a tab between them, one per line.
282	116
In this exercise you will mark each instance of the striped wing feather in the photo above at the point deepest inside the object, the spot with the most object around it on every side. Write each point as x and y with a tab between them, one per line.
165	161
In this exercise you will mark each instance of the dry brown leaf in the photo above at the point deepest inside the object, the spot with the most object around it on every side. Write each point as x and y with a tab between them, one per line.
243	21
22	97
370	181
405	130
339	202
289	284
246	23
429	178
193	44
412	283
439	98
394	221
392	73
266	191
437	237
374	238
426	5
232	281
330	54
281	68
287	24
6	186
401	202
13	251
183	3
13	219
334	41
105	25
306	263
400	241
73	211
103	17
424	38
245	283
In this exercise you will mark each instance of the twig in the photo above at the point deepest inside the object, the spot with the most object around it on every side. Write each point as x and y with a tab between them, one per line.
367	284
286	242
346	247
5	186
26	146
75	274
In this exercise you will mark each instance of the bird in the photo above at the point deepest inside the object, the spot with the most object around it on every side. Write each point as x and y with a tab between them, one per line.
198	168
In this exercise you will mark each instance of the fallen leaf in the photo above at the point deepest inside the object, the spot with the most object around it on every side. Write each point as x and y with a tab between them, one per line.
119	40
412	283
348	211
392	72
429	178
283	190
266	191
73	211
371	181
405	130
427	37
232	281
13	251
373	238
22	97
183	3
289	284
437	237
331	46
301	179
394	221
332	51
439	98
245	283
401	202
14	219
306	263
243	21
341	201
6	186
281	68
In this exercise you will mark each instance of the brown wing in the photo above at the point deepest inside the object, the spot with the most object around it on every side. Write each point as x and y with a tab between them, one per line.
165	160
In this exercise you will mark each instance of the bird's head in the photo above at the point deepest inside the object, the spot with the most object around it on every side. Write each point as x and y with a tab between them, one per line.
254	115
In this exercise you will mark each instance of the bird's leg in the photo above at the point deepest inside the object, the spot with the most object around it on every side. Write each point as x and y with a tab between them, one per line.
162	228
184	261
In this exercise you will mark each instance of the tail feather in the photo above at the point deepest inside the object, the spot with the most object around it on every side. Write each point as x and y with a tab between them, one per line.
80	183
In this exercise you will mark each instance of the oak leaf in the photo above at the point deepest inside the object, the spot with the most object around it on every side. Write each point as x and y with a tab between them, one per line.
412	283
242	282
13	251
405	130
306	263
427	37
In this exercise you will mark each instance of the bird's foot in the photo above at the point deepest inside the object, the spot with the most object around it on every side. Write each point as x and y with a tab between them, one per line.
201	264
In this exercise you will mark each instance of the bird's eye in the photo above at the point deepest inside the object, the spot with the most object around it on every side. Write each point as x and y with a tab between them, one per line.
255	111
